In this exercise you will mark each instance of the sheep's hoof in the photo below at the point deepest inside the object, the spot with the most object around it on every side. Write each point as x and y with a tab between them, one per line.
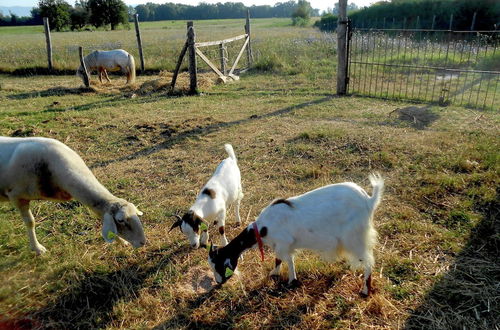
39	250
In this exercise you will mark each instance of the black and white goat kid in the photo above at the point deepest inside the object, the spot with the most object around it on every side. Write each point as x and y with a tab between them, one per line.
222	190
334	220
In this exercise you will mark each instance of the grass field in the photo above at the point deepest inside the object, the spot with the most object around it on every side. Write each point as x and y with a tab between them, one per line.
437	257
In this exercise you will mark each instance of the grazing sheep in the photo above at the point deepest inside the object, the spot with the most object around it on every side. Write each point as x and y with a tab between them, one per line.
46	169
335	220
222	190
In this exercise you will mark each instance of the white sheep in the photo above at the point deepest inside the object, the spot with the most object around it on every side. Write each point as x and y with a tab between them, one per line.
222	190
46	169
335	220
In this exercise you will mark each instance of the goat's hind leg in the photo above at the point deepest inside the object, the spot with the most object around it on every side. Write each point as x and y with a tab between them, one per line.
221	221
24	208
237	206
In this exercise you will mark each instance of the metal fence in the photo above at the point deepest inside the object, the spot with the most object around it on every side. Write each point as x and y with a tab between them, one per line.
448	67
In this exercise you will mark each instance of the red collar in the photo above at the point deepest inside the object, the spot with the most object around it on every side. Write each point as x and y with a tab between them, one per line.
259	240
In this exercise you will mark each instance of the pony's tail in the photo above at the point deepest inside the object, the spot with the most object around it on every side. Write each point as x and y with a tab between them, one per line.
131	69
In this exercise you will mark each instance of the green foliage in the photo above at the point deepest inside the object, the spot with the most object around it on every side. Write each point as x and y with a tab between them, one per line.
328	22
302	14
79	16
104	12
419	14
58	12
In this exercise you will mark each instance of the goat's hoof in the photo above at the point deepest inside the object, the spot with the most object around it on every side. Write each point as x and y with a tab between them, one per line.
274	277
364	295
294	284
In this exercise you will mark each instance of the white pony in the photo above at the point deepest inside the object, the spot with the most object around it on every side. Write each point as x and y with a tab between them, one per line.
111	60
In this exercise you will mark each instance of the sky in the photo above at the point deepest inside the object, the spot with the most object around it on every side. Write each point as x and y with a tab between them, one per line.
319	4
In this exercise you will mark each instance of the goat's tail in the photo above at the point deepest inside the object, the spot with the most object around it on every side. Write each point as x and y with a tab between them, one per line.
377	183
230	152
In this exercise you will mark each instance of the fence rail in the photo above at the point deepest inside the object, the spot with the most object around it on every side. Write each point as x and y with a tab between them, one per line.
444	66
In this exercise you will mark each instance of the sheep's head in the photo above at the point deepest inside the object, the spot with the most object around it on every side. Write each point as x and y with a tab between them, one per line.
191	225
122	219
222	263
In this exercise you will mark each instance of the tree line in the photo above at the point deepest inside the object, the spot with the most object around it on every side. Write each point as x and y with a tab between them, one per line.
422	14
111	13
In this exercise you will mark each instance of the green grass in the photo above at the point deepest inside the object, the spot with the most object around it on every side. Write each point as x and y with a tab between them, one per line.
437	222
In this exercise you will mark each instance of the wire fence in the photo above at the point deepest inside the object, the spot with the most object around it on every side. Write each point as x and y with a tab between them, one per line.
443	66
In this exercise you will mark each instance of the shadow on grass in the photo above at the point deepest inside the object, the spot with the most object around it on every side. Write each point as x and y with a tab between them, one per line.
198	131
468	296
249	305
56	91
417	117
89	303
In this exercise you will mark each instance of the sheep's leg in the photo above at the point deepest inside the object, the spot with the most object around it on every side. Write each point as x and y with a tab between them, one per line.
24	207
221	222
367	282
277	268
106	75
100	75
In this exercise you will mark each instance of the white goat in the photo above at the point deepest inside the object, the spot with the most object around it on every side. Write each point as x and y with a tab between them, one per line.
335	220
222	190
46	169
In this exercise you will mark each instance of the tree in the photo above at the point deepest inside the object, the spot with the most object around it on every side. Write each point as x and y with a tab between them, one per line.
104	12
57	11
302	14
79	15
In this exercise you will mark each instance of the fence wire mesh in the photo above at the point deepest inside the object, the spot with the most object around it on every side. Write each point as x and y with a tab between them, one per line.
448	67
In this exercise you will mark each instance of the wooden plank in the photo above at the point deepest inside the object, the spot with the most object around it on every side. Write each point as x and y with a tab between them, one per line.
193	74
178	66
213	67
48	40
341	48
239	56
86	79
225	41
249	48
139	40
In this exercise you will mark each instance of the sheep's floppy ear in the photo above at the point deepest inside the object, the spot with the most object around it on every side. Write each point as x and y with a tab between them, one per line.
109	231
178	223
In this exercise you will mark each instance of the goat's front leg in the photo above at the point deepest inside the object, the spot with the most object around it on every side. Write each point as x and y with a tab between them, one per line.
277	267
221	223
292	277
204	238
24	207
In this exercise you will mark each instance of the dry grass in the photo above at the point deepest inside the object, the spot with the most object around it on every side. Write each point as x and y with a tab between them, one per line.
436	261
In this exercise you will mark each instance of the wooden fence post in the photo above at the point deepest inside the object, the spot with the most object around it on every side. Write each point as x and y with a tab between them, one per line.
48	41
86	79
191	40
222	51
178	66
341	48
139	40
249	46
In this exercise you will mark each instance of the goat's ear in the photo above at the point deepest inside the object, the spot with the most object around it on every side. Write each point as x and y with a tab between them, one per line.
178	223
109	231
139	212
